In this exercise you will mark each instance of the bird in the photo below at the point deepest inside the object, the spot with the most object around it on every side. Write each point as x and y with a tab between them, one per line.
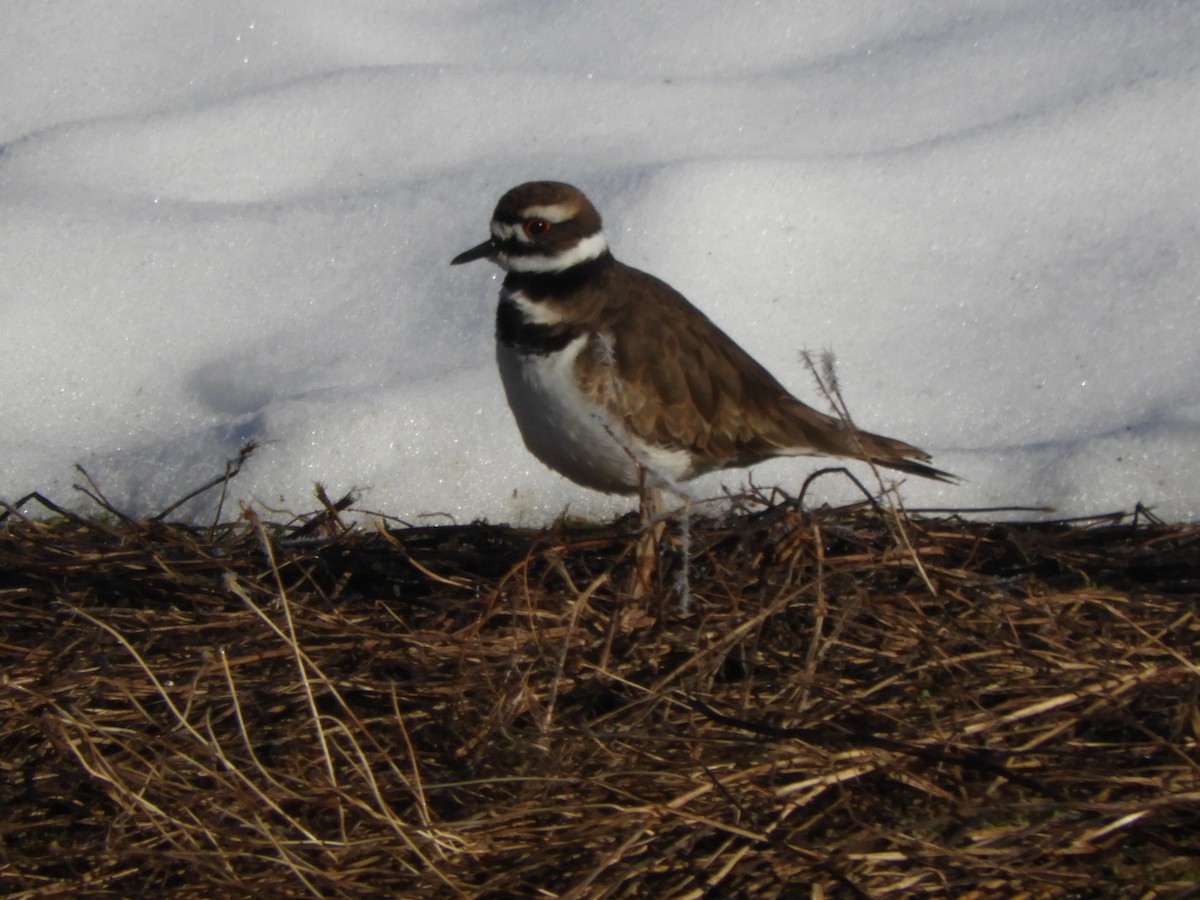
622	385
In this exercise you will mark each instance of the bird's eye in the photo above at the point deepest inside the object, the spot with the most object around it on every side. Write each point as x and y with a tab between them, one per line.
536	227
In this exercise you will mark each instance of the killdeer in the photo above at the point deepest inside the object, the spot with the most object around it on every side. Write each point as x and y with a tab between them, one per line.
617	381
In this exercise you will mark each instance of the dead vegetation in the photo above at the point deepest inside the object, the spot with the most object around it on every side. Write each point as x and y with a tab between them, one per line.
957	709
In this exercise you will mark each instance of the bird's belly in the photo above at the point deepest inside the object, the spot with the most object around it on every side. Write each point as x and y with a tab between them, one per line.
563	428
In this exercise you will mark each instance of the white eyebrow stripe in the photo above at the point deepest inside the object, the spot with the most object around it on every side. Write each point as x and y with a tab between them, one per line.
555	213
591	247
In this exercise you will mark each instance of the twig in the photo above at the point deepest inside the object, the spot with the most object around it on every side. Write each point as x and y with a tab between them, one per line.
97	496
232	468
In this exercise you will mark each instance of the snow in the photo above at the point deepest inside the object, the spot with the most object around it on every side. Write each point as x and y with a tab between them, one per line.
231	221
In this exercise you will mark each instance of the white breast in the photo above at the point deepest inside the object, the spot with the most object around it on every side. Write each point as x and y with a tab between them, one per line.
569	433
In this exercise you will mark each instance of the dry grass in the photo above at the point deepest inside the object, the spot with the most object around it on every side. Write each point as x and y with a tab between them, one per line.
477	711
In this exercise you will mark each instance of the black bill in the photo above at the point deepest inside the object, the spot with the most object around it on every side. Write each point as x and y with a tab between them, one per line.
483	251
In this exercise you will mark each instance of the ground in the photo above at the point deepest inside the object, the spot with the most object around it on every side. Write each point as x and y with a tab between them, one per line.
811	702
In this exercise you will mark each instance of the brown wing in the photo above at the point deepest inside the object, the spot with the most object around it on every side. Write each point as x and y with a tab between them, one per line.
681	382
676	380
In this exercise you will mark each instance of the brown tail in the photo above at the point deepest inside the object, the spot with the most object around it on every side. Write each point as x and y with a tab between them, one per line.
893	454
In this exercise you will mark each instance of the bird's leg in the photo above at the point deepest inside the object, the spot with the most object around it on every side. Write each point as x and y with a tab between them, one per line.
654	526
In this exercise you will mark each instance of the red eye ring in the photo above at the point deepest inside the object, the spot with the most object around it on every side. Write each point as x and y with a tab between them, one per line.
536	227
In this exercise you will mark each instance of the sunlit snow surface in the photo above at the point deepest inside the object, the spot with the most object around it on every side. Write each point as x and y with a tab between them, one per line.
231	220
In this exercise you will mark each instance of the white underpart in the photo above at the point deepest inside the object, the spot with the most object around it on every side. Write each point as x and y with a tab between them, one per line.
591	247
572	435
